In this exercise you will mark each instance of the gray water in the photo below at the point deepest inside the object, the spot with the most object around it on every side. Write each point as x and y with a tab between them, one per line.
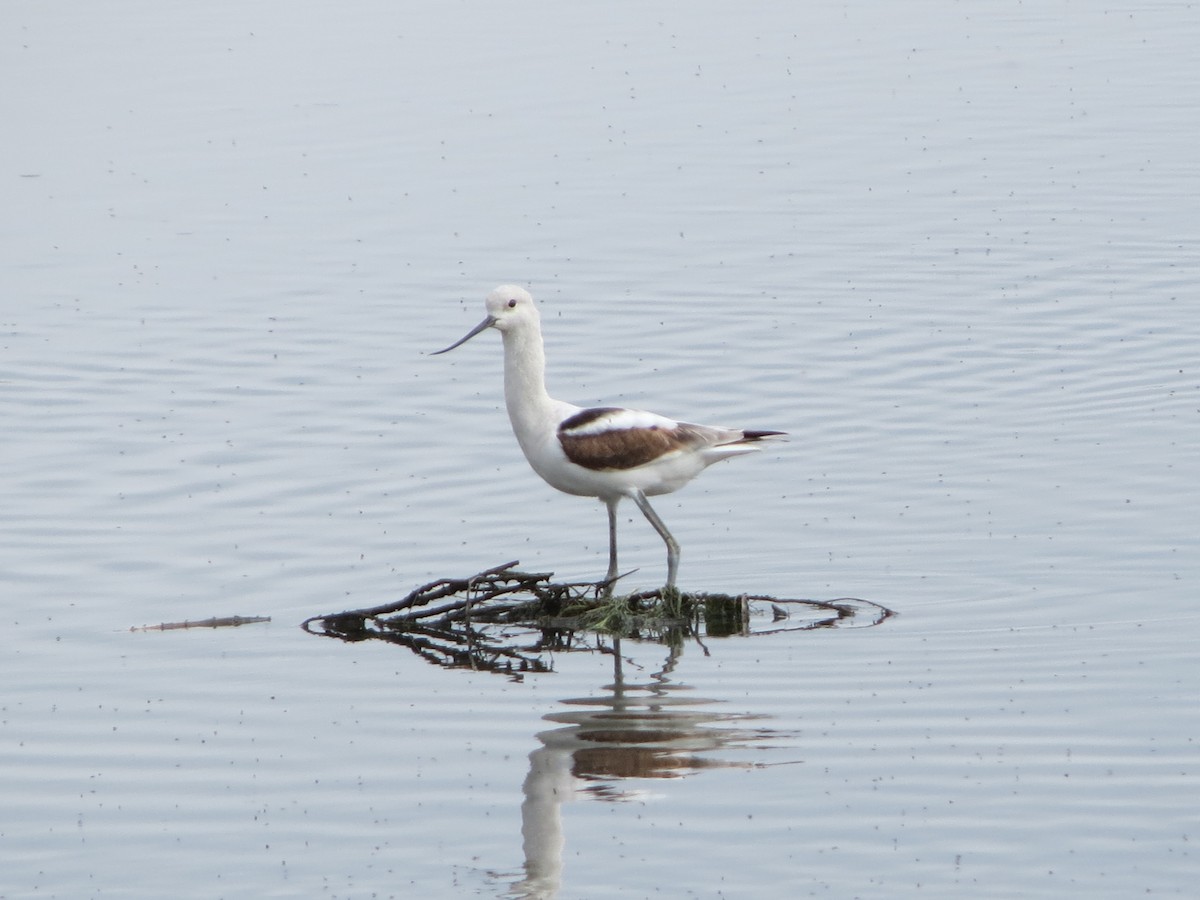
951	248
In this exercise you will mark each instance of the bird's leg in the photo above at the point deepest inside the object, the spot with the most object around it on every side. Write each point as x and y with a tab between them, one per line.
612	541
672	545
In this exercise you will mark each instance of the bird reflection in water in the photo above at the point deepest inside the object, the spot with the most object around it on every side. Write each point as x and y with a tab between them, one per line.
651	729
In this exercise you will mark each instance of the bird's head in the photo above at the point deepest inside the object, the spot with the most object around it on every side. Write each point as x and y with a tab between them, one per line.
509	307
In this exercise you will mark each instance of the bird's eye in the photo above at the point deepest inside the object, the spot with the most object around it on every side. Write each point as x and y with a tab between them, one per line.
512	303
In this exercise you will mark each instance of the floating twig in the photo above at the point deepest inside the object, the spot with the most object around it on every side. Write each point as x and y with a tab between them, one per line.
215	622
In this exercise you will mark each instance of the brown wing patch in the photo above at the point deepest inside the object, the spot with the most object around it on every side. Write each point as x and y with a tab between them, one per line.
623	448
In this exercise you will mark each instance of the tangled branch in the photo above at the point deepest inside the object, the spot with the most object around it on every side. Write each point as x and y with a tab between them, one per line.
509	621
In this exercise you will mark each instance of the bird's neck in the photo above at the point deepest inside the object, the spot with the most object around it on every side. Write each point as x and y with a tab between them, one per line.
529	404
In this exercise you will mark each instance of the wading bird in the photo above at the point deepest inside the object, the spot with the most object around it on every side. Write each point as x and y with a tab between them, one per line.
606	452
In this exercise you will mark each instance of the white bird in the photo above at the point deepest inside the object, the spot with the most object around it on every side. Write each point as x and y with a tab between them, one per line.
605	452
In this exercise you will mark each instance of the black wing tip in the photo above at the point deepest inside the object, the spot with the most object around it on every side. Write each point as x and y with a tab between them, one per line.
586	417
761	435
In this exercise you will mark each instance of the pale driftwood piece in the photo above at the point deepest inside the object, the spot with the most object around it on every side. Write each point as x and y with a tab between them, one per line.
214	622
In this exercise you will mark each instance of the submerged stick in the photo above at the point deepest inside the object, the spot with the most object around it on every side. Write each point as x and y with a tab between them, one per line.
505	595
511	622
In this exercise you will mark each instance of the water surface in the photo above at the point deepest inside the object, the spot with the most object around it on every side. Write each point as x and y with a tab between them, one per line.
952	250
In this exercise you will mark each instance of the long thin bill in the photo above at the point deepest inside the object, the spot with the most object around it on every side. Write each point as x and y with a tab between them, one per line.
485	324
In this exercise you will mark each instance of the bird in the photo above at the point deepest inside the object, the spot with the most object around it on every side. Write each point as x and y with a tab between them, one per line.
607	452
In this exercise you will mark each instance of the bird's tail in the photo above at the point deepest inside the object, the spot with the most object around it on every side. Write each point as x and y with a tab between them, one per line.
750	437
